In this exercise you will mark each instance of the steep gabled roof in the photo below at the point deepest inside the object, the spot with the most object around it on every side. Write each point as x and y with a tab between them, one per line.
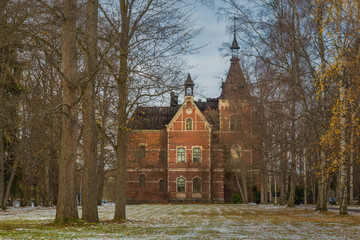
151	117
210	110
235	85
155	118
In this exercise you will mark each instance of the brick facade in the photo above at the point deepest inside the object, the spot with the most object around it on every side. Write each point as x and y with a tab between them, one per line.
187	152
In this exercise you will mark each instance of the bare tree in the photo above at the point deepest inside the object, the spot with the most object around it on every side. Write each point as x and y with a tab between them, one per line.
66	209
151	36
89	199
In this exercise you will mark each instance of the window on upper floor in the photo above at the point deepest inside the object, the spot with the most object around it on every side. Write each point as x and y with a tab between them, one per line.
196	155
142	151
181	155
142	180
235	123
196	185
180	183
189	124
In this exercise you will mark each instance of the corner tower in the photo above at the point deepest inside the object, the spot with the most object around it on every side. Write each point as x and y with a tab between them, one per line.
235	112
235	85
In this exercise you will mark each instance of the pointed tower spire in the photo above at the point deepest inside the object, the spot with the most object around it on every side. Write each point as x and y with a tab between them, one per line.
235	84
189	86
234	46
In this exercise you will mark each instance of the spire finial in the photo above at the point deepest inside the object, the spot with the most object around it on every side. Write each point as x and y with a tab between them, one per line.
234	46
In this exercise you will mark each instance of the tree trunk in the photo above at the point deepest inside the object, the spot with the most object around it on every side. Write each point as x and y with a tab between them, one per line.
89	197
343	166
351	182
275	186
66	209
8	187
2	163
239	186
244	182
263	198
313	189
269	189
120	199
321	199
46	179
101	172
283	170
291	200
305	188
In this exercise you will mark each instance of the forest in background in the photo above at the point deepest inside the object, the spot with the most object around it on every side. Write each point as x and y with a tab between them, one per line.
72	72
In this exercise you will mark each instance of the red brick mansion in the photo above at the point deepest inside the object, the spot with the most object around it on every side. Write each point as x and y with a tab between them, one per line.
196	151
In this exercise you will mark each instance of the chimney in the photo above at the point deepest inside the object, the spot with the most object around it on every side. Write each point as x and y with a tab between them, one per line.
173	100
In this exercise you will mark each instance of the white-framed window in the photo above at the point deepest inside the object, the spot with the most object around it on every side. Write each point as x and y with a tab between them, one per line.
180	154
196	154
197	185
180	184
189	124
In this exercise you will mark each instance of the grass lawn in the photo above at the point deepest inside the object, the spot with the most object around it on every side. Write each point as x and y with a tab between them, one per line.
195	221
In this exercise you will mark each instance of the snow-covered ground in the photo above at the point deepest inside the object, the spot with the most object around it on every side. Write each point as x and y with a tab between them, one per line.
195	221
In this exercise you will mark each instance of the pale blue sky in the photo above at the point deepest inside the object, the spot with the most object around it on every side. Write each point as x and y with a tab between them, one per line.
209	65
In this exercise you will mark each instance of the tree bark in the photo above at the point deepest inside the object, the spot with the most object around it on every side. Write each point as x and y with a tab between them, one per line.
343	164
321	199
8	187
101	172
283	170
269	188
89	197
291	200
66	209
120	214
120	199
2	163
46	180
244	181
305	172
275	185
263	182
351	164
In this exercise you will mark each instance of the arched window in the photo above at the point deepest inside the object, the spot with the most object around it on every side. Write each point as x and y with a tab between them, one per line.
181	155
196	185
142	180
180	184
189	91
161	185
189	124
235	152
